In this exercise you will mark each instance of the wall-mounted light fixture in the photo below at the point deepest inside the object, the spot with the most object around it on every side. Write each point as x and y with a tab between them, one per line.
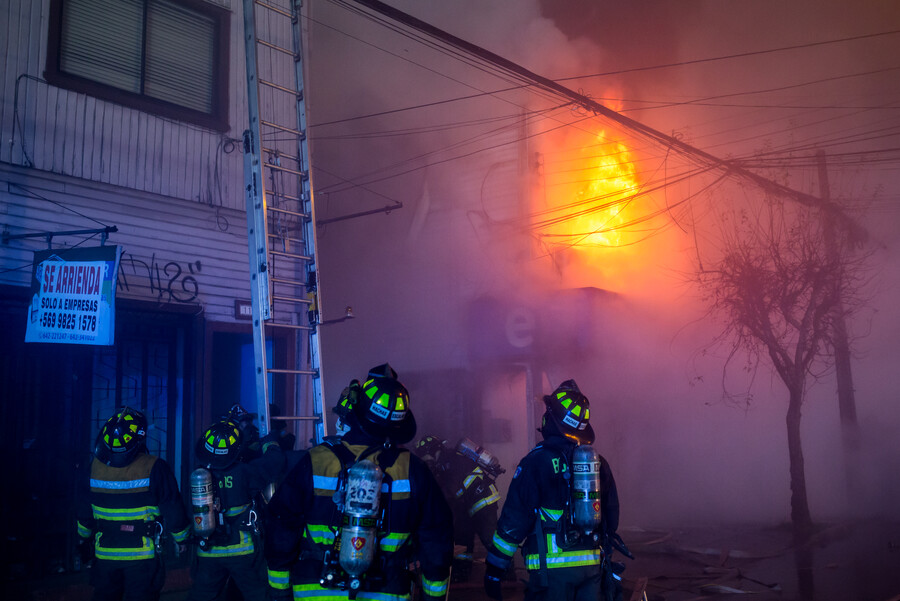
348	314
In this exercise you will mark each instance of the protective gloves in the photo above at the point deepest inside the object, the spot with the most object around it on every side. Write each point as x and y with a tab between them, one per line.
493	576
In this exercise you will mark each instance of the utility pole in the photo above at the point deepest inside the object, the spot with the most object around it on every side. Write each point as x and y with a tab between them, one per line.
846	398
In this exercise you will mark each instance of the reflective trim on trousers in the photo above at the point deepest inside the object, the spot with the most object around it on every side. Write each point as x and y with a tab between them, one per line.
314	591
435	588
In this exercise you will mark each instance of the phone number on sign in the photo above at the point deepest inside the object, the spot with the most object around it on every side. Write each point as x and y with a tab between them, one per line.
69	321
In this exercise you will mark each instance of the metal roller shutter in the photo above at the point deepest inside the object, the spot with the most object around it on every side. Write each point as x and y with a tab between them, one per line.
180	54
102	40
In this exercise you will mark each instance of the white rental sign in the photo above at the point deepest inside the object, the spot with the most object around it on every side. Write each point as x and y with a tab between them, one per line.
73	296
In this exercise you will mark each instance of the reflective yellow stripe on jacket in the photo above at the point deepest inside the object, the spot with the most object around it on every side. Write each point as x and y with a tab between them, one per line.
243	547
557	558
114	490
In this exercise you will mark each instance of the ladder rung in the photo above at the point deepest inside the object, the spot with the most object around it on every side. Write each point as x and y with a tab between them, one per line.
281	253
289	212
287	282
285	170
291	299
275	9
285	239
274	47
278	87
289	326
299	372
285	197
288	130
281	154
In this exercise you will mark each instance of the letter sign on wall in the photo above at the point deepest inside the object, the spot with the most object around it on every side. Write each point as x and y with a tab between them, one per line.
73	296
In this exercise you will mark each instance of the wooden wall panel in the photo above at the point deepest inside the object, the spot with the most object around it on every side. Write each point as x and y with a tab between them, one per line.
70	133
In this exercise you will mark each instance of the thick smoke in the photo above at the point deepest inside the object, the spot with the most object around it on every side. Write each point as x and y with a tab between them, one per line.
446	286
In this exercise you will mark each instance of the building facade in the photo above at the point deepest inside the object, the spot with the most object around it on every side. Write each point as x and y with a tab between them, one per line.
121	123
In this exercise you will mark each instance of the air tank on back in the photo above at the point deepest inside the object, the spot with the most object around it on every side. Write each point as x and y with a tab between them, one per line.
203	503
359	523
586	488
481	456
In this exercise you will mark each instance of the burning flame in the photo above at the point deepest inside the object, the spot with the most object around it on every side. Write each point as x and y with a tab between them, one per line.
595	219
592	207
602	216
612	182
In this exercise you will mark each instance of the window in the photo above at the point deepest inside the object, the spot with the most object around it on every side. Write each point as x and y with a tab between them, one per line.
168	57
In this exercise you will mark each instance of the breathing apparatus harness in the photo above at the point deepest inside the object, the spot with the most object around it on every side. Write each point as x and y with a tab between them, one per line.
582	516
210	523
567	530
360	509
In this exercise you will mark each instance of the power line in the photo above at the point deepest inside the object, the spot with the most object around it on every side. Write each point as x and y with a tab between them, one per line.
734	56
34	195
587	103
608	73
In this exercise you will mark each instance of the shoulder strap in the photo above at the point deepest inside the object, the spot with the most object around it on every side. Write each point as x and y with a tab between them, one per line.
388	456
344	455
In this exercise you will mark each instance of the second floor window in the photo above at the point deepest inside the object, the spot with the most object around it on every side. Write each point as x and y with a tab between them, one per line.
167	57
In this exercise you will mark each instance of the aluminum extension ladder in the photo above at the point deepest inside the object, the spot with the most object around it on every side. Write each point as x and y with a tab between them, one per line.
281	220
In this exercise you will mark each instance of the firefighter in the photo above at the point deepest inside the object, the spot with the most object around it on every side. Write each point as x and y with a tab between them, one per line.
132	505
251	447
469	486
565	561
228	534
350	517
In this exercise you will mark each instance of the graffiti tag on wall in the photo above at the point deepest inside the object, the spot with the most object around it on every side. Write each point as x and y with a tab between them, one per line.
171	282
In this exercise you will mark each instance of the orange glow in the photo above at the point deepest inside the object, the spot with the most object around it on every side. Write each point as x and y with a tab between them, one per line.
612	181
588	196
593	217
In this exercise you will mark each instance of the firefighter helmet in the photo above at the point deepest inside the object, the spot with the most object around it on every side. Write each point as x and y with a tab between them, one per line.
349	396
382	408
429	447
121	438
571	412
240	416
221	445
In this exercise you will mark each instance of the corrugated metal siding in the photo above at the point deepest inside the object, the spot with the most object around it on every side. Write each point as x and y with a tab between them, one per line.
173	252
70	133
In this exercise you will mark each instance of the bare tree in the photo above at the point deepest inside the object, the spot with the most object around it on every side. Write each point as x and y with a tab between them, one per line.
777	283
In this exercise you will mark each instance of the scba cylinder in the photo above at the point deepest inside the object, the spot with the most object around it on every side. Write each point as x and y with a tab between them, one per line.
359	523
480	456
203	502
586	488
